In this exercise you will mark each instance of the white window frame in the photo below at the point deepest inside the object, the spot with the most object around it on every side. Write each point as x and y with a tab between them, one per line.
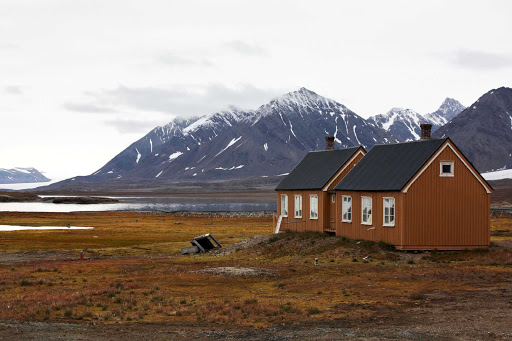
369	221
388	205
445	163
313	204
284	208
298	212
344	202
333	197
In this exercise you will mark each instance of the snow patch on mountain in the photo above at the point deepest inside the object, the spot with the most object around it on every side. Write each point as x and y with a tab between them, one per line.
232	142
498	175
232	168
25	170
174	155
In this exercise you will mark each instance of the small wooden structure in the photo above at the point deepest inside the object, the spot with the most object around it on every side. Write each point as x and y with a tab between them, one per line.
204	243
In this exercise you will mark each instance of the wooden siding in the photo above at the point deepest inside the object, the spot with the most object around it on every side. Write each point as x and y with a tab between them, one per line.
376	231
291	223
323	223
446	212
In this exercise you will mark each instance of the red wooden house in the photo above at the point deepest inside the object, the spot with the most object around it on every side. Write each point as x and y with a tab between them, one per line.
420	195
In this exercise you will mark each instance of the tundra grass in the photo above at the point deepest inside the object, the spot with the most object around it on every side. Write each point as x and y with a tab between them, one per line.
382	286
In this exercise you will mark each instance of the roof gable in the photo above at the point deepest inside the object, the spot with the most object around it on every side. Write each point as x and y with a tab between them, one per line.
316	169
464	161
389	167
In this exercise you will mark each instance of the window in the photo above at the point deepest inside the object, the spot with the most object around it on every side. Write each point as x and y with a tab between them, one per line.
313	207
366	210
389	211
333	198
446	168
346	209
298	206
284	205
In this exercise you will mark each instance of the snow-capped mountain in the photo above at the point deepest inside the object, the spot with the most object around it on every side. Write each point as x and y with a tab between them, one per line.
236	144
483	131
21	175
448	110
404	124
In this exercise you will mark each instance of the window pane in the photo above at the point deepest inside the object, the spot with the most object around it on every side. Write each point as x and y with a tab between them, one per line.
389	211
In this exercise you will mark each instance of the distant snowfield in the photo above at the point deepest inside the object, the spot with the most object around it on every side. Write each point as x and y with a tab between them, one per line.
498	175
28	185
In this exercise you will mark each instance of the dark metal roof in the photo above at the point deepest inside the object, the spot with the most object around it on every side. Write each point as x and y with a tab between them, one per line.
389	167
316	169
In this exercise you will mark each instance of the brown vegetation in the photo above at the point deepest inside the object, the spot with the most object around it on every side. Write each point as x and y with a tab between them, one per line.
133	275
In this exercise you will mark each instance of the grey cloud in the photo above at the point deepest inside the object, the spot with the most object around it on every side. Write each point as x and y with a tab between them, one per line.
125	126
88	108
175	60
183	100
13	90
473	59
245	48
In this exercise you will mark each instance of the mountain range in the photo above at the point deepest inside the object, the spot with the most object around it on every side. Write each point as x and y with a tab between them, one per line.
404	124
21	175
237	144
269	141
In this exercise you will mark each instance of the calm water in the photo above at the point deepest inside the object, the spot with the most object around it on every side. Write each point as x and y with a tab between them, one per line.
207	206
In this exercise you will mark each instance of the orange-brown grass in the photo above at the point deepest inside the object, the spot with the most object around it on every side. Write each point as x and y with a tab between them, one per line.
357	282
123	232
501	229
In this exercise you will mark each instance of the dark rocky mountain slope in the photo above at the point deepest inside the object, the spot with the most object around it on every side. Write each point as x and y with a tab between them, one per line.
483	131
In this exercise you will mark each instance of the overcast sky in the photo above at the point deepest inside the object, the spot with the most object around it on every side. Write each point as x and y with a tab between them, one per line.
81	80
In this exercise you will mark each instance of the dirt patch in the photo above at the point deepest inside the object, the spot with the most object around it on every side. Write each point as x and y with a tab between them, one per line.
38	256
243	245
236	271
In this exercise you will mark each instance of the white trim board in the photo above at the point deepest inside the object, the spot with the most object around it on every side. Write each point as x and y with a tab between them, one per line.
448	144
360	151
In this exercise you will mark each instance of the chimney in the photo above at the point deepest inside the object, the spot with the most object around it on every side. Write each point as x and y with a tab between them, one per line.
425	131
329	142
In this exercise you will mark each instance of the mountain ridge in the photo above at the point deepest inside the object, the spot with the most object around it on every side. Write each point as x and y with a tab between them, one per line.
236	144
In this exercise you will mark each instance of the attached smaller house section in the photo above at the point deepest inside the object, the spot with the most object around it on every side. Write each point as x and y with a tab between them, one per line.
304	201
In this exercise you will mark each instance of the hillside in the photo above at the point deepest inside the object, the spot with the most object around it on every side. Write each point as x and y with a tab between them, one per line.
483	131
